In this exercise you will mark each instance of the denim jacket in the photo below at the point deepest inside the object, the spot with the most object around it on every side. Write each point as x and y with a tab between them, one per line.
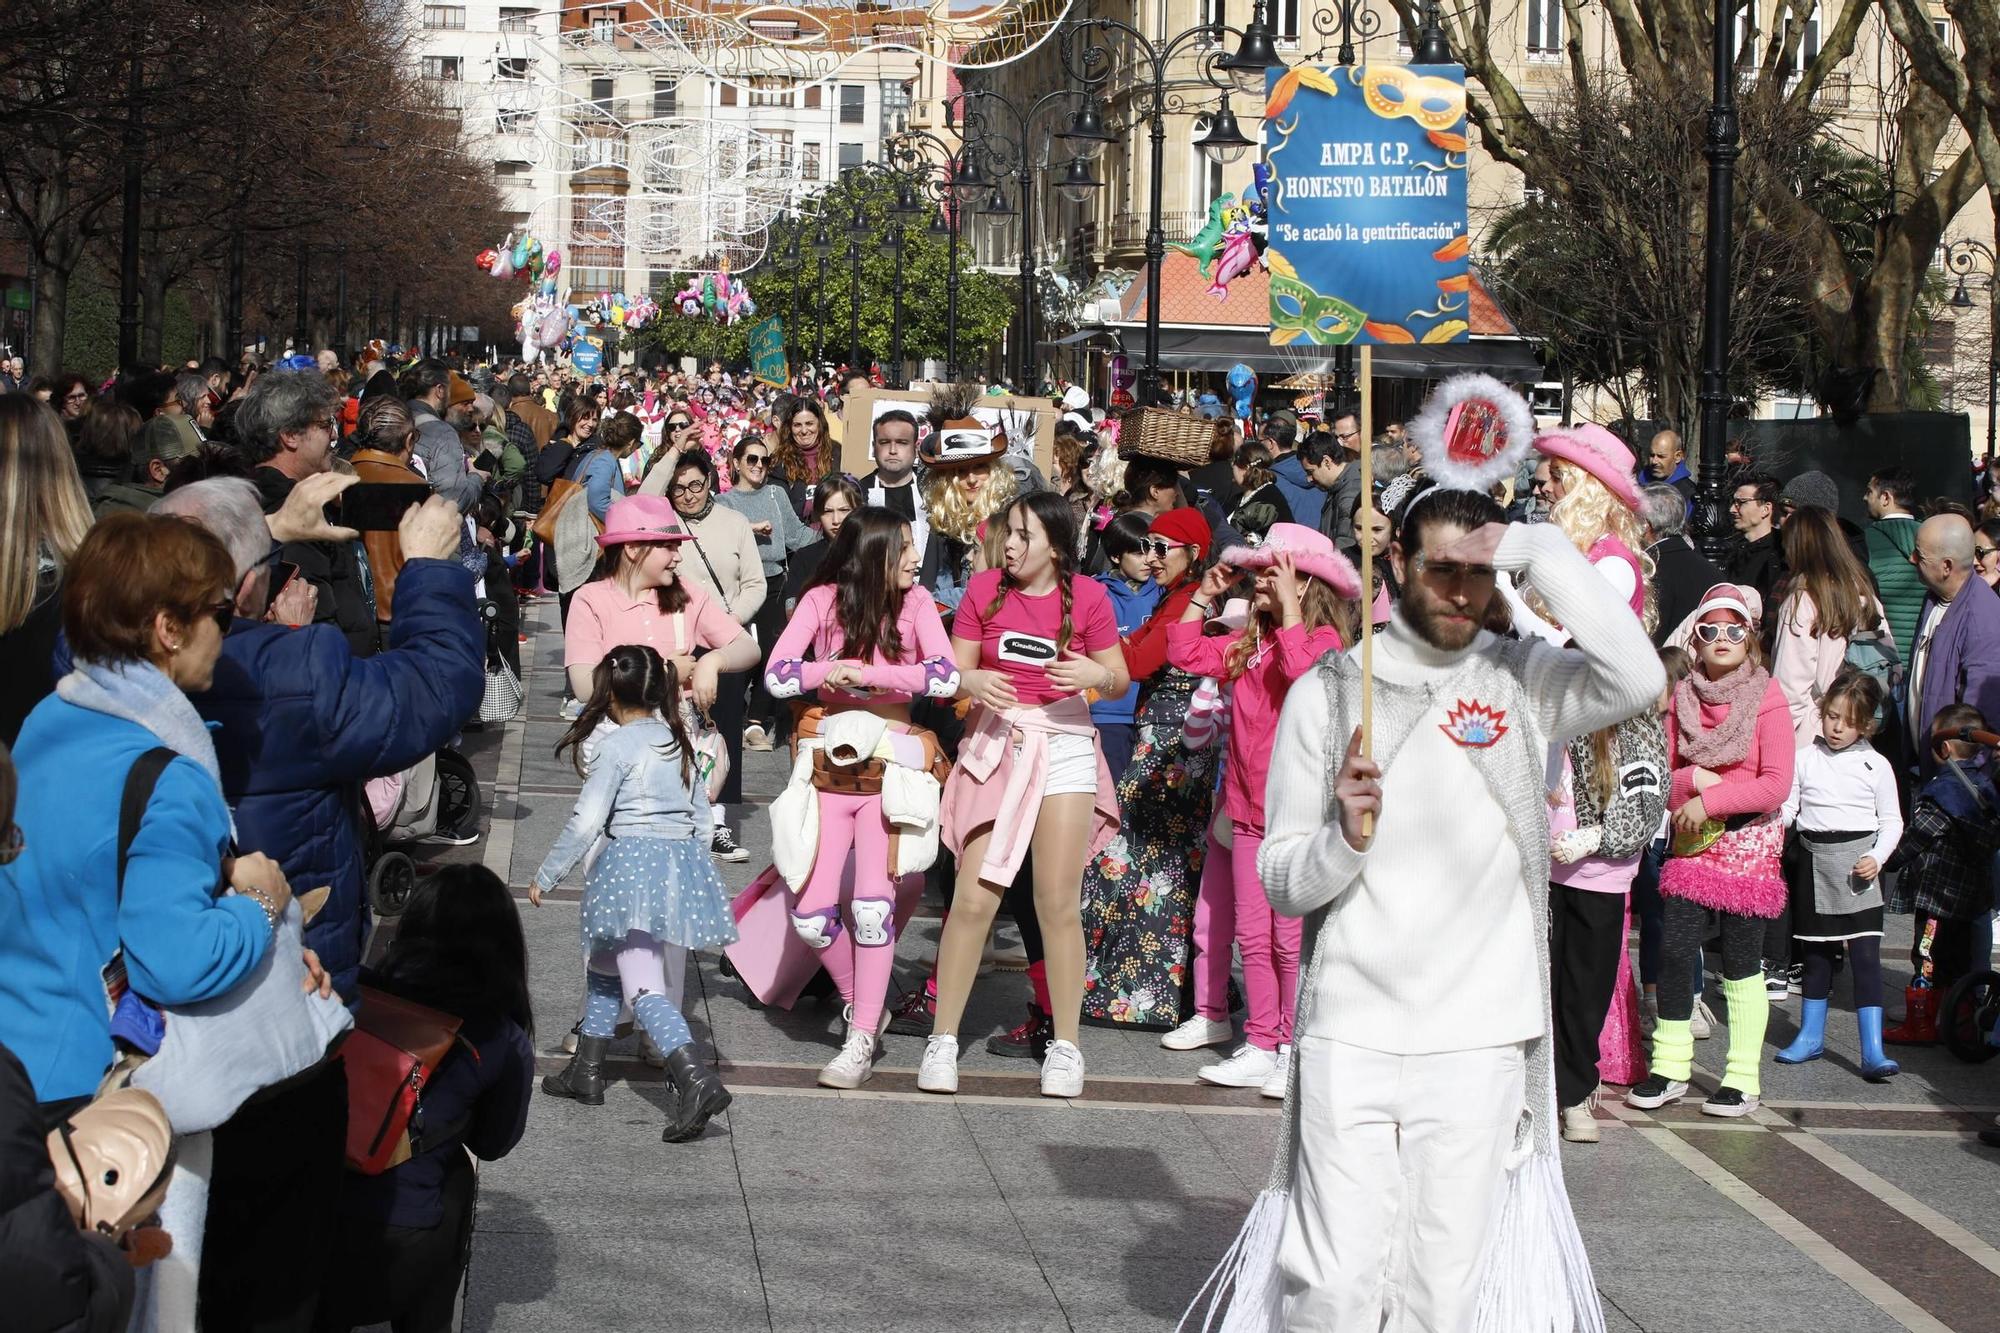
634	791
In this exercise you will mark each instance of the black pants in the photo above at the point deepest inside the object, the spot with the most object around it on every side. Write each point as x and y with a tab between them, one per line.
1586	931
1946	947
1686	928
504	632
728	717
405	1277
769	622
274	1207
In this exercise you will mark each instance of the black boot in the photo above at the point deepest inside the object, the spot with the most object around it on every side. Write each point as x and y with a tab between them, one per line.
583	1078
698	1094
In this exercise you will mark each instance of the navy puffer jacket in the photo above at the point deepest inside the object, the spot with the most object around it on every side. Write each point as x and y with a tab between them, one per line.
303	722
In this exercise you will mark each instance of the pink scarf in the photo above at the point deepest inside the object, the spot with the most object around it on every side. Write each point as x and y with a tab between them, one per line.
1729	741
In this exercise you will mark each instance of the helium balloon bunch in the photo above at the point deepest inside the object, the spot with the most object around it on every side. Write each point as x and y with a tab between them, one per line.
521	255
720	296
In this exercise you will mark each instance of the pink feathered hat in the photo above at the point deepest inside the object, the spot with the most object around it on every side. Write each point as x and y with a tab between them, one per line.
1598	452
1312	553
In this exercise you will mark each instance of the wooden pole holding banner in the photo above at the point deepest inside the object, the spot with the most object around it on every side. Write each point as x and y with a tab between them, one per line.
1367	443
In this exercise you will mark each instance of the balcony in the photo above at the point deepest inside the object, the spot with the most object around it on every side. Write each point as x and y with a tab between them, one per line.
623	110
1129	229
1835	92
593	153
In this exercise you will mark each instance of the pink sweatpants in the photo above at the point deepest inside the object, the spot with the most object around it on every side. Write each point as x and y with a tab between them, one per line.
1231	907
860	961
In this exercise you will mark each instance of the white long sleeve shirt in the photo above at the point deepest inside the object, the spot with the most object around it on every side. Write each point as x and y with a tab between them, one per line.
1845	791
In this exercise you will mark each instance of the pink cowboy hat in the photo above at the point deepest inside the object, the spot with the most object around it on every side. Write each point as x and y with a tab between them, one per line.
642	518
1312	553
1598	452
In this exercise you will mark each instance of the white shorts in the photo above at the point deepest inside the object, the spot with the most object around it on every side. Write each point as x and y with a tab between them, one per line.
1072	765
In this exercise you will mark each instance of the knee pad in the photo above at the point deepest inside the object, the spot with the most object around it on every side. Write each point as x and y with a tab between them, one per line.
820	929
874	922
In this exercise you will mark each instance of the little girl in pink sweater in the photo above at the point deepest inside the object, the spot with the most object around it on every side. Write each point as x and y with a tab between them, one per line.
1305	608
1730	748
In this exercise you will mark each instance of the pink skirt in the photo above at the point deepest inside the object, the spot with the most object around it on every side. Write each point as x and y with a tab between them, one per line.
1621	1056
1739	874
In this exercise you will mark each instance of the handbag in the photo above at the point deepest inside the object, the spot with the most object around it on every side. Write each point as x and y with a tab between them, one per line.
504	692
396	1046
559	494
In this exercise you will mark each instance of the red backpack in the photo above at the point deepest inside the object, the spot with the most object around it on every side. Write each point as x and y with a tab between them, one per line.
395	1047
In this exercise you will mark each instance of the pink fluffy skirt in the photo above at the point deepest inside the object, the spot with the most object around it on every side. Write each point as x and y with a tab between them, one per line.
1738	874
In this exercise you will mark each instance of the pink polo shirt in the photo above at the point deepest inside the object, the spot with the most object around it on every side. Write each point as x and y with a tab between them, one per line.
602	617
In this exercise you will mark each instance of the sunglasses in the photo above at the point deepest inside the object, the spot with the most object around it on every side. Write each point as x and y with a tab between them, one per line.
756	460
1713	632
1981	552
223	614
1159	548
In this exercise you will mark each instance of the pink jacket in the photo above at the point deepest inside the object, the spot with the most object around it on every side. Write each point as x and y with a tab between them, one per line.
929	671
997	783
1806	662
1755	785
1256	698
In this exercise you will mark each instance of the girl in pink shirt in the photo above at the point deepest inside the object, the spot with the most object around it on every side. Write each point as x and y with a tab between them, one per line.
1030	640
1729	746
1305	607
876	643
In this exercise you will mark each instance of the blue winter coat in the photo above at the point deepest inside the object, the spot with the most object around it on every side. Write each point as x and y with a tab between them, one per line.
1305	498
61	917
304	722
1131	607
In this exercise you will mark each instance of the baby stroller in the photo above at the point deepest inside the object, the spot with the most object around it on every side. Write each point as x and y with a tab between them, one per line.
439	796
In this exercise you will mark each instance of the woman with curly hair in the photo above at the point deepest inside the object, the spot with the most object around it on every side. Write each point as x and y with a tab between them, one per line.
805	452
1596	504
967	482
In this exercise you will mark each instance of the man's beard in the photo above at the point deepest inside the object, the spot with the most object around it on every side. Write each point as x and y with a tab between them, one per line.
1434	628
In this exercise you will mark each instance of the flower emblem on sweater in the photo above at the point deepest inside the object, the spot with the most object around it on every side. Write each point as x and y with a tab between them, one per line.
1474	724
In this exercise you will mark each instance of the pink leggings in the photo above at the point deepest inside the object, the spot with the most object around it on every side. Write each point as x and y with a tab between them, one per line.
859	951
1231	904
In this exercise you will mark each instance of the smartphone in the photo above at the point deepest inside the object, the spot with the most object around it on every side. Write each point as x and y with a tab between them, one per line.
282	577
487	462
379	506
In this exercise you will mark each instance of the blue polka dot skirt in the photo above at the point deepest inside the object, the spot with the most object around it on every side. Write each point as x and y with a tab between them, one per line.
666	887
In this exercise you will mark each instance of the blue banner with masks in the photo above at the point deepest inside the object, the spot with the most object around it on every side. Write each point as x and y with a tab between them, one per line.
586	355
1366	209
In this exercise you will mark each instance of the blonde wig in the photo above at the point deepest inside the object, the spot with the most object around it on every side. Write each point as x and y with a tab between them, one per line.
1589	511
44	510
953	515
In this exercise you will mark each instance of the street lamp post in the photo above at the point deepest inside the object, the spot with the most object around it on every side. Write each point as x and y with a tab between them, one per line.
302	330
1965	258
340	306
946	183
822	246
1711	514
1087	55
1020	150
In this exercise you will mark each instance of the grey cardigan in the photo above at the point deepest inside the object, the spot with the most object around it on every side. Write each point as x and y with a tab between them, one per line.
770	504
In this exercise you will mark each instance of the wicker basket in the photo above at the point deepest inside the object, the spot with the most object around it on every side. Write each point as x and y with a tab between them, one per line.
1170	437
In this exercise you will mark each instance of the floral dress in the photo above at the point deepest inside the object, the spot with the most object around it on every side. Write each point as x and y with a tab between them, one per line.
1139	892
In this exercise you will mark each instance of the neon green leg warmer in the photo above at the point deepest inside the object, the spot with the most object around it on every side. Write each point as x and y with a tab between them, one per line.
1749	1009
1673	1049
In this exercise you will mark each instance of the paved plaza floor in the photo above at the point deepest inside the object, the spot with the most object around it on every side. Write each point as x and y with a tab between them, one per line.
1841	1206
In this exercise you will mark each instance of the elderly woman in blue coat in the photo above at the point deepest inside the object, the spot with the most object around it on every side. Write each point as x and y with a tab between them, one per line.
143	613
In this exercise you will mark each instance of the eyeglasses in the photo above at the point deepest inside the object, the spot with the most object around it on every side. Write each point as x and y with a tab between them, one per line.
695	487
1452	571
223	614
1744	501
1714	631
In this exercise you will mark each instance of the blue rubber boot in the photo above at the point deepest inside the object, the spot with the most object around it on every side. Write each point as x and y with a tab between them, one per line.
1875	1066
1810	1044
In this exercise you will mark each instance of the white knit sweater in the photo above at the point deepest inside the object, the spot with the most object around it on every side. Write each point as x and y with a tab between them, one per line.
1429	944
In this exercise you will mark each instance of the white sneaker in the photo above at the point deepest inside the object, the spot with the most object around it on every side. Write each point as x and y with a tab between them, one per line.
1578	1124
1701	1021
1196	1033
1274	1086
939	1071
571	710
755	737
1248	1068
847	1027
1062	1070
856	1061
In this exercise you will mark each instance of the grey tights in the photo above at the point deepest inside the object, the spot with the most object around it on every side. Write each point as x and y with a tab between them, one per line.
1685	926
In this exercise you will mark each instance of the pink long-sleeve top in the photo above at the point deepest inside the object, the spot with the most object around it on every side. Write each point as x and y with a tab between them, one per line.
926	669
1756	784
1256	698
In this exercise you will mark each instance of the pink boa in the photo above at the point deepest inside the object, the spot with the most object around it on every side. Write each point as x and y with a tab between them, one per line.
1738	874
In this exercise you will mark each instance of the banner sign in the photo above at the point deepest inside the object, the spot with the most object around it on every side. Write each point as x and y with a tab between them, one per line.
586	355
1367	222
767	352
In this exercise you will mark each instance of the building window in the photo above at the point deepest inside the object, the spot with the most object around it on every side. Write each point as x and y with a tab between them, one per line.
850	158
666	98
1808	47
1545	29
447	68
895	107
853	99
444	16
511	168
771	90
809	161
1285	21
727	154
507	121
769	150
600	96
1204	176
511	67
514	19
1747	33
604	28
812	97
